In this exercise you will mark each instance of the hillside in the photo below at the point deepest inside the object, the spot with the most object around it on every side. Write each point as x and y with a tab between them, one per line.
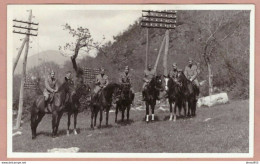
228	49
37	59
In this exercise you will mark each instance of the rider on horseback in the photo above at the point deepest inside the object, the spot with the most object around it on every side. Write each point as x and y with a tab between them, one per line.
51	87
125	78
191	72
101	82
148	75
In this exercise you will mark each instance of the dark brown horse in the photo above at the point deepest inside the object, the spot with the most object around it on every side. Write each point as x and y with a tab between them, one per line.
189	92
124	102
175	97
151	94
58	105
74	104
103	101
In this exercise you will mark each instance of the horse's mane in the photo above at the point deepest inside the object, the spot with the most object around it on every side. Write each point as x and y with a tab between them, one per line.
63	86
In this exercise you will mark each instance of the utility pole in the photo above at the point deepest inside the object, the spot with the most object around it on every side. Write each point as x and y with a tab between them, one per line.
28	28
160	19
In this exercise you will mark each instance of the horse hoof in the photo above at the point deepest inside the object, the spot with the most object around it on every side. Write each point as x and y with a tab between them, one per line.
75	132
68	132
33	137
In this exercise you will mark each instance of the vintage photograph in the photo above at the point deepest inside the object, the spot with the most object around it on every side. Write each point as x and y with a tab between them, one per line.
153	81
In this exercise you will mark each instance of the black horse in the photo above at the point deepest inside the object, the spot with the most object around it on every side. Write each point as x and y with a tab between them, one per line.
175	97
81	91
103	101
124	102
58	106
189	92
151	94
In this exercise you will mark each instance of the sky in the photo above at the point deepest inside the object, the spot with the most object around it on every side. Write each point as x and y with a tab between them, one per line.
107	23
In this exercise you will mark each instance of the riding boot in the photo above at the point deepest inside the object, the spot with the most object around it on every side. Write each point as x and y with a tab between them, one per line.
49	107
143	96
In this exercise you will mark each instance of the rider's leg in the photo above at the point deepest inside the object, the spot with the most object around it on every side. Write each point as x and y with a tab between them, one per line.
196	82
143	91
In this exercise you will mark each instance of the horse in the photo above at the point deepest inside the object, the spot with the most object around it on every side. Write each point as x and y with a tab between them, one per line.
124	102
58	105
74	105
189	92
151	94
175	96
103	101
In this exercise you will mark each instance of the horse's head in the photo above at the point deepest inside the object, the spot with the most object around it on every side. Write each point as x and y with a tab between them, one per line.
166	81
125	90
158	82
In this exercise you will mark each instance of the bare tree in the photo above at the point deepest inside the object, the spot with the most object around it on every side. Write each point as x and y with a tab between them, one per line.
216	28
83	43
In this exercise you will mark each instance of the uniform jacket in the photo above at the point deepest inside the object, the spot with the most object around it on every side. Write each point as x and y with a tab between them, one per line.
173	74
101	81
50	84
125	78
191	72
148	75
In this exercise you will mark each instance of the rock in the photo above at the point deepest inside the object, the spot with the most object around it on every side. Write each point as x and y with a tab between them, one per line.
18	133
220	98
64	150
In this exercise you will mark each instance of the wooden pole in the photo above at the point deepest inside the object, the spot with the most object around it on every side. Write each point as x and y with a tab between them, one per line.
160	51
20	109
19	54
210	79
147	48
166	52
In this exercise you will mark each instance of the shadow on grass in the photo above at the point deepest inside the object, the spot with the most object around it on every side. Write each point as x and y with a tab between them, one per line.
60	133
125	122
181	117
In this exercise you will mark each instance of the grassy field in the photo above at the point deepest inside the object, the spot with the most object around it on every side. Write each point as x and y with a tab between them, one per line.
220	129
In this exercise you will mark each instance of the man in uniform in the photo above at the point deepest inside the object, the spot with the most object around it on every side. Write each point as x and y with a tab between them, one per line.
51	87
125	78
148	75
101	81
174	72
191	73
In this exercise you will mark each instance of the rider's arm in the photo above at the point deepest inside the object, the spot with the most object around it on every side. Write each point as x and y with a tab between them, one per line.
48	86
56	86
195	73
97	81
106	81
186	72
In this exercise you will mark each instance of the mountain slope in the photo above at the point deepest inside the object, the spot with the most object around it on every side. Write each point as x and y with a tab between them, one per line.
45	56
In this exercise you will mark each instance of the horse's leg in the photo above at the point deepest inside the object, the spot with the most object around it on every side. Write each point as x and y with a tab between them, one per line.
33	124
147	111
75	122
184	108
170	102
128	110
107	115
117	106
95	119
123	113
188	108
92	118
101	117
179	108
58	122
68	125
54	120
153	106
174	111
